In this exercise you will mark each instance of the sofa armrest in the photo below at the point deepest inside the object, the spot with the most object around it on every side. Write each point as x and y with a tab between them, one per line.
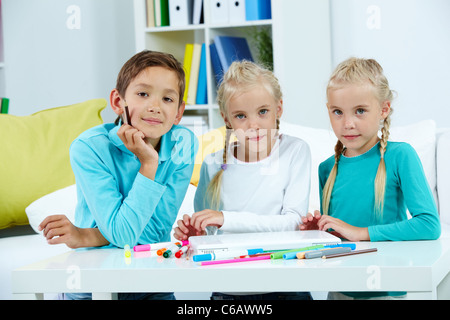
443	175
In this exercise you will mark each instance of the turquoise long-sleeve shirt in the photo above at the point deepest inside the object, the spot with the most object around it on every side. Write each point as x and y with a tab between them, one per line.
353	195
127	207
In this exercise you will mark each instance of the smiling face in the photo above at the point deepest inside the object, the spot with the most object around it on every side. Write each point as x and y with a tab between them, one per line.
355	116
153	102
253	116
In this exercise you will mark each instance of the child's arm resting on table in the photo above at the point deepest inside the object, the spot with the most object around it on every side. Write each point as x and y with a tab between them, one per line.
58	229
310	222
185	229
120	219
425	223
342	229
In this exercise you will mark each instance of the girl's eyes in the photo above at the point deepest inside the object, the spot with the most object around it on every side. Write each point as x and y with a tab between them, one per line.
242	116
359	111
142	94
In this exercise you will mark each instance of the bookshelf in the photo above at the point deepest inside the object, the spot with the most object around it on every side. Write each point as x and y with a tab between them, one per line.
173	39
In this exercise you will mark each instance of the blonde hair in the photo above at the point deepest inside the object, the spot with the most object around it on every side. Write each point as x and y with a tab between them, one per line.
362	71
242	76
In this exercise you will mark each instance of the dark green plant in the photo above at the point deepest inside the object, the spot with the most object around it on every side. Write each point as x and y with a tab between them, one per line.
261	40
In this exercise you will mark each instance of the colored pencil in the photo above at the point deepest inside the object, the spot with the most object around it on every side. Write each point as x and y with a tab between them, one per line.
349	253
212	262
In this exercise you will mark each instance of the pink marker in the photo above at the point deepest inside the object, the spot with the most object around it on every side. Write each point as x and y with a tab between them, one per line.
208	263
157	246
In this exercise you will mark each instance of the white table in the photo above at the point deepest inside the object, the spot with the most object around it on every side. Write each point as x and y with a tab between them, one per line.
419	267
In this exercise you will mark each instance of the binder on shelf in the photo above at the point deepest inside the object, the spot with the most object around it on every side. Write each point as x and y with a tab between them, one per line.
216	65
180	12
231	49
197	12
4	105
193	77
162	13
219	11
189	48
258	9
202	96
150	11
236	11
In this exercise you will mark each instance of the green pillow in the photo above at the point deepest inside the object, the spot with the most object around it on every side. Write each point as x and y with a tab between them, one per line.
34	155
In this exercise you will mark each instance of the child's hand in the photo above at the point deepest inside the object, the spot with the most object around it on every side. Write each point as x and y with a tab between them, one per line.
310	222
134	140
185	229
343	230
202	219
58	229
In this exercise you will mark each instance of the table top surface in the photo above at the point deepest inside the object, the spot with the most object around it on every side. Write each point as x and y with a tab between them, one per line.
396	264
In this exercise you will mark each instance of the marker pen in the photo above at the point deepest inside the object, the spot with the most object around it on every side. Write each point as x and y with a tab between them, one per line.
161	251
157	246
320	253
127	119
208	263
181	252
225	254
171	249
127	251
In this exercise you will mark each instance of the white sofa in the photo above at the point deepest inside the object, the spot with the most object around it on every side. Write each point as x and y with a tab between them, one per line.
432	145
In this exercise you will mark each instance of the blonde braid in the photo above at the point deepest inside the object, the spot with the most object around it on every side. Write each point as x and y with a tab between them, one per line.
214	187
380	178
328	188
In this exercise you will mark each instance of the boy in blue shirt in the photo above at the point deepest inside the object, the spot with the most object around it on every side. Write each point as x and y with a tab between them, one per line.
132	177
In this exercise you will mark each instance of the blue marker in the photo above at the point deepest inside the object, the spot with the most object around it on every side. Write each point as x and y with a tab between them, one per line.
225	254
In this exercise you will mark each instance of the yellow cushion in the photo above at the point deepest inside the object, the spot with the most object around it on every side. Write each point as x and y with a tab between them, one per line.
34	155
209	142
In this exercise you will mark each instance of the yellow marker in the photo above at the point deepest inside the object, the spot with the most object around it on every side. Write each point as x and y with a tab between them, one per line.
127	251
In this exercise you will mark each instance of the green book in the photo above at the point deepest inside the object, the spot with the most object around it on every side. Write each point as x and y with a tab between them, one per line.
4	105
165	21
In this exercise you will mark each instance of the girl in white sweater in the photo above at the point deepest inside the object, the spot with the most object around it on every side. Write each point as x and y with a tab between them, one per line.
260	181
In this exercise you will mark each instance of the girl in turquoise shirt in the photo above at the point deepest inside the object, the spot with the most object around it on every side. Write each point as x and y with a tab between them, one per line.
369	183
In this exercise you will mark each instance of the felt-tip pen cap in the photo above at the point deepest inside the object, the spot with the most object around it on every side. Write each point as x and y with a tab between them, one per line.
143	247
202	257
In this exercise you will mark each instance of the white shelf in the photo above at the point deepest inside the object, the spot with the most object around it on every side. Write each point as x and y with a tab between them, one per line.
174	39
301	42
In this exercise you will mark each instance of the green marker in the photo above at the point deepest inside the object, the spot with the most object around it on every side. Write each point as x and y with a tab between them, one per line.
279	254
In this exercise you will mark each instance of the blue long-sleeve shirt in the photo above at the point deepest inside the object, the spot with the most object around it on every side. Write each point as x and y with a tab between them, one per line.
127	207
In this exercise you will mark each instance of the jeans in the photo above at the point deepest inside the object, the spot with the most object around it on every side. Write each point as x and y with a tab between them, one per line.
122	296
263	296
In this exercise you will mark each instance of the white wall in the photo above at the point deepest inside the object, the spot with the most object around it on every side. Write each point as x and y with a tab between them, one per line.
302	58
411	40
49	62
49	65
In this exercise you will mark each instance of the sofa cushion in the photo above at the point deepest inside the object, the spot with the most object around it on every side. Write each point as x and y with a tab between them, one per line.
34	157
443	175
62	201
422	137
209	142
